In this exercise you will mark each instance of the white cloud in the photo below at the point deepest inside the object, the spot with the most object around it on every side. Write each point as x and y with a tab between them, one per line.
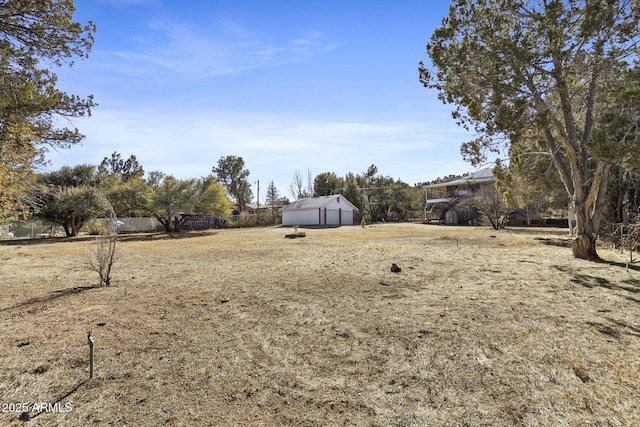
159	99
273	146
177	50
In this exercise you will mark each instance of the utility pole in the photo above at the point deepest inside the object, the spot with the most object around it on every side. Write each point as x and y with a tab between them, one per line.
258	205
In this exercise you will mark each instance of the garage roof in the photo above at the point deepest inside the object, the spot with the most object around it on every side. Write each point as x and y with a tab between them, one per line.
317	202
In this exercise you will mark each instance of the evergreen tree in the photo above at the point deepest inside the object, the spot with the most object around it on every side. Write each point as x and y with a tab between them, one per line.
547	70
34	36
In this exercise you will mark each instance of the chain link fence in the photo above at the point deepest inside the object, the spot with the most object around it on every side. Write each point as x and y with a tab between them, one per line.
29	230
38	229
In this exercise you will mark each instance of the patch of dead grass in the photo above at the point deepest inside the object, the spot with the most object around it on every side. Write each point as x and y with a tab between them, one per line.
245	327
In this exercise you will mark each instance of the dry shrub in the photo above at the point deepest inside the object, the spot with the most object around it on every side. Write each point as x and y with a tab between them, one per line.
103	255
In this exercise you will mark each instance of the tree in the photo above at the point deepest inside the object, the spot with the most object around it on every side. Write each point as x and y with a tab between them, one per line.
492	206
529	180
231	173
617	137
624	184
352	190
273	195
327	184
373	188
154	180
125	169
72	207
400	198
67	176
370	174
211	198
127	197
173	201
309	188
122	183
274	200
521	69
19	191
378	194
297	187
32	33
169	199
389	199
70	197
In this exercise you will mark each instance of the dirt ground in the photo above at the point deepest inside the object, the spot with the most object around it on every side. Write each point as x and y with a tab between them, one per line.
244	327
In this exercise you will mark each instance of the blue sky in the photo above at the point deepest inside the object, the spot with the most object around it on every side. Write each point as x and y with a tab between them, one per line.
320	86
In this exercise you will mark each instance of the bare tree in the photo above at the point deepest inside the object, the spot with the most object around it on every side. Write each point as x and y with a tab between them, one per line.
103	256
492	206
309	189
297	188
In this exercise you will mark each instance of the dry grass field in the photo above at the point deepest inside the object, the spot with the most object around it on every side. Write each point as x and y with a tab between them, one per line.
244	327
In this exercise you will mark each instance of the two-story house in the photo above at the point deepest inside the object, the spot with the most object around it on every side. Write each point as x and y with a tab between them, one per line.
442	198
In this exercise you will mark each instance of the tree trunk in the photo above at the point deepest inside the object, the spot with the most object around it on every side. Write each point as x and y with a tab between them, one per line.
177	224
589	207
584	247
180	221
166	224
74	226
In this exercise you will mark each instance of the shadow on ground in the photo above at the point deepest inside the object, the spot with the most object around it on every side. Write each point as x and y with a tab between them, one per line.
594	281
26	416
134	237
554	241
52	296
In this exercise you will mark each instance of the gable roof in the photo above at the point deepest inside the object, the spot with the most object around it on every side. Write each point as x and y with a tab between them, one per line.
317	202
478	177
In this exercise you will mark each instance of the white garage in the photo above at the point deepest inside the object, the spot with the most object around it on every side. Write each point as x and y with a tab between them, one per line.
325	210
